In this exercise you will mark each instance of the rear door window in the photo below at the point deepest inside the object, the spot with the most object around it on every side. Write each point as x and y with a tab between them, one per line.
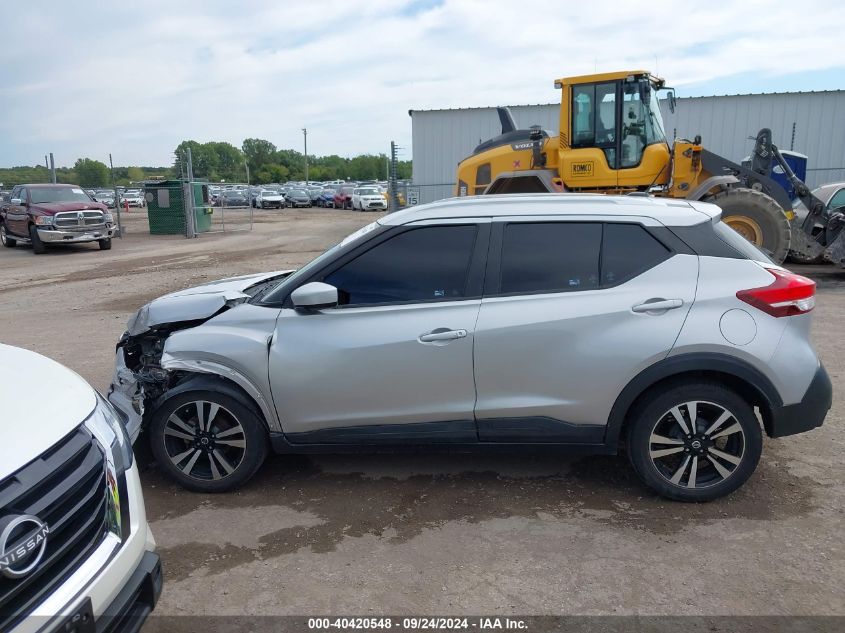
571	256
550	257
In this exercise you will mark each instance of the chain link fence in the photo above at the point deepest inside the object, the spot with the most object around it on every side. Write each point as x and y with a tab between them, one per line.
226	208
191	208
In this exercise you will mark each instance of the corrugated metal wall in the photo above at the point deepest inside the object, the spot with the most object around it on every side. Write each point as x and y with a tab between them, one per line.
725	123
442	138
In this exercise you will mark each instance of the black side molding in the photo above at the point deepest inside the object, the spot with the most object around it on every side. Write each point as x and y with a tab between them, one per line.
538	430
420	433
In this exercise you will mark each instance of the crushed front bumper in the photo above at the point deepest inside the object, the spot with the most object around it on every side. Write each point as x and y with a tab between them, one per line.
127	396
53	236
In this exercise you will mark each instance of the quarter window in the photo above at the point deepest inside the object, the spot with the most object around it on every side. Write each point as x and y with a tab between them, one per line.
550	257
627	251
424	264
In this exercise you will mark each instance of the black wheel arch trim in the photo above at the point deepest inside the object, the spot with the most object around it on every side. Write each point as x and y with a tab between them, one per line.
694	362
208	382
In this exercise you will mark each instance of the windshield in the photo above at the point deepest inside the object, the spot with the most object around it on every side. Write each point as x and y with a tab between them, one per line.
642	123
40	195
278	294
367	192
299	192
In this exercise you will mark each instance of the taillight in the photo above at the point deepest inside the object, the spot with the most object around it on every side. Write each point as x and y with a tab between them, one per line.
788	295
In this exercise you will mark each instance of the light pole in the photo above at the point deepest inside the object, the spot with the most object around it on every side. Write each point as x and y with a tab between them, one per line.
305	140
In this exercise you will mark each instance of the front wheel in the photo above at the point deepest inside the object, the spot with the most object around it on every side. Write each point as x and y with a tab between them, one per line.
694	441
38	247
208	441
7	241
105	245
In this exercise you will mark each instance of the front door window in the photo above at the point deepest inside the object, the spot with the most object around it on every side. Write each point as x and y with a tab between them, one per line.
419	265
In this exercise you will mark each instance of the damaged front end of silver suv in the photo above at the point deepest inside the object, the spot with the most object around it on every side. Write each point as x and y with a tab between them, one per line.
148	364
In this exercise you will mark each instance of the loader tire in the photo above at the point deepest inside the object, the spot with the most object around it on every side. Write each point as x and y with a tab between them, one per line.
757	217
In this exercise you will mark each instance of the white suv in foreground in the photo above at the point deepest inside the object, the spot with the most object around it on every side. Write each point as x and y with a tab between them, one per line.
76	553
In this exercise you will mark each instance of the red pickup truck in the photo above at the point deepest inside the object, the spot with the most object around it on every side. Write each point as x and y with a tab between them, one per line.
50	214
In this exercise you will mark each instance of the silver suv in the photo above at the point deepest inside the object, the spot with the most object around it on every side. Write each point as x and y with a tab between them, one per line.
588	323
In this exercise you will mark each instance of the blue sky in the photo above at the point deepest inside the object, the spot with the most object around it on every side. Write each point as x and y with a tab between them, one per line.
99	77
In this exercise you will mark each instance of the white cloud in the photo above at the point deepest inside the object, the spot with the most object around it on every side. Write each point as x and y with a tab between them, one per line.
86	79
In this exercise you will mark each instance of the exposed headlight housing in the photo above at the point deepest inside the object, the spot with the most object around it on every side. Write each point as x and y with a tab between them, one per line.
109	429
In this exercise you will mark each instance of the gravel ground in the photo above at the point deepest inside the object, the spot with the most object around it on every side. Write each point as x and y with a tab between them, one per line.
450	533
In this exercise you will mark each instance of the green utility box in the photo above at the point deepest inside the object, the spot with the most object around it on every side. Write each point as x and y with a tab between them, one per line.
166	207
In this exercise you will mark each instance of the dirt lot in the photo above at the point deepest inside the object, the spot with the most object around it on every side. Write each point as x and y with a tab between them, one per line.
446	534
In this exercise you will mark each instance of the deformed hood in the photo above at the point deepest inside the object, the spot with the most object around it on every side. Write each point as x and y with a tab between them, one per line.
197	303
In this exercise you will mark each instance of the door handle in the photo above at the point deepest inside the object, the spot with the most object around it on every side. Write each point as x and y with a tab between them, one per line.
657	305
442	335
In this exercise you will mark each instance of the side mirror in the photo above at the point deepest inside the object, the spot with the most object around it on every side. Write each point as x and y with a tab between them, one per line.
314	296
16	201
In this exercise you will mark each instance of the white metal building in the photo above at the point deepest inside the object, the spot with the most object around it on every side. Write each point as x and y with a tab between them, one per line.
812	123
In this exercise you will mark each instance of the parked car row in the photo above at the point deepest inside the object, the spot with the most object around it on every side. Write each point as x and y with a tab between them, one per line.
132	197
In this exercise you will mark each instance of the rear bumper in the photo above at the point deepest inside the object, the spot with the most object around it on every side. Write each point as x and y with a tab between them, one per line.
807	414
87	235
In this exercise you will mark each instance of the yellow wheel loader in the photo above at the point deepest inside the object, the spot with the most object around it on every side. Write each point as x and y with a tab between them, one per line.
612	140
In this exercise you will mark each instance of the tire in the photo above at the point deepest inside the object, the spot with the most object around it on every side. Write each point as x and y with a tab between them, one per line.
7	241
38	246
757	217
196	458
717	458
105	245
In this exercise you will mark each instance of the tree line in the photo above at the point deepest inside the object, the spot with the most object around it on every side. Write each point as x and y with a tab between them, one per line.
266	163
85	172
217	161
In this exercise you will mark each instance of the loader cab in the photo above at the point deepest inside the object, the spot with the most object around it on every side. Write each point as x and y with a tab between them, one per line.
616	135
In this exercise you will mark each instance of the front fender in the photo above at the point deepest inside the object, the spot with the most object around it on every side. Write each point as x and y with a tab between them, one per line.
233	345
714	181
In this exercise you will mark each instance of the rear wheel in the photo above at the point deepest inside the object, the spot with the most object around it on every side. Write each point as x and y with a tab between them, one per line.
694	441
38	246
208	441
7	241
757	217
